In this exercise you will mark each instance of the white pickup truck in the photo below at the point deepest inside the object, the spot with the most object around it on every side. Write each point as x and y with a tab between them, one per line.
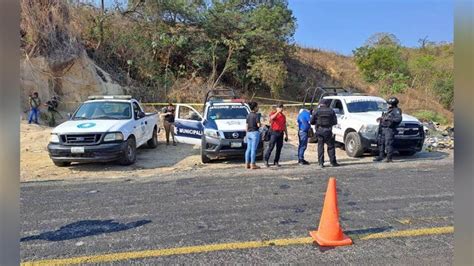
357	128
104	128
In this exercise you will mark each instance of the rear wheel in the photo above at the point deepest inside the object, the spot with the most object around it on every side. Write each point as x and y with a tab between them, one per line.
61	164
130	154
153	142
353	145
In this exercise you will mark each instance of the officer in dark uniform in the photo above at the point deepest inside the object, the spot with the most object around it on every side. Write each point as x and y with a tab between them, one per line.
388	124
324	118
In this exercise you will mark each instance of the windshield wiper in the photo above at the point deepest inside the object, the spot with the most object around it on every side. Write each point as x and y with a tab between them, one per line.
80	118
106	117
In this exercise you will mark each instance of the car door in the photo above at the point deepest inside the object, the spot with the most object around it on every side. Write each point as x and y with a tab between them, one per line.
139	127
338	130
188	125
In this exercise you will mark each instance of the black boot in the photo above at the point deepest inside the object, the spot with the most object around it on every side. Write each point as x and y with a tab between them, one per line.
276	164
266	164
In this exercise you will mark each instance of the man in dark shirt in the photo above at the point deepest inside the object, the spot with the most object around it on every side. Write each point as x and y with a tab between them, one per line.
325	118
167	114
253	136
388	123
35	103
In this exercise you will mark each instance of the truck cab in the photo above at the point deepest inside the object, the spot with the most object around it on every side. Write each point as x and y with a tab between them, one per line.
357	128
102	129
219	130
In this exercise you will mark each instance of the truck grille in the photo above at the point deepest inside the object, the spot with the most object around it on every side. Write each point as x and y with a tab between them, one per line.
81	139
230	135
410	129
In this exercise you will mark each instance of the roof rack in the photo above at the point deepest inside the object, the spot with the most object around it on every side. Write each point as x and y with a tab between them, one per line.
100	97
313	93
219	94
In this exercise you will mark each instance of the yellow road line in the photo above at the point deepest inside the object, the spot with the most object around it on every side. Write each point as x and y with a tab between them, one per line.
411	233
226	246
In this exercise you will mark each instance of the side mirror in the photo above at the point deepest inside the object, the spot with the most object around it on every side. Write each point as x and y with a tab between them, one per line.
69	115
337	111
140	115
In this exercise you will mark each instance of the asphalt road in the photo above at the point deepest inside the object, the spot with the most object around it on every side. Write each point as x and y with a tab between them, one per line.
198	208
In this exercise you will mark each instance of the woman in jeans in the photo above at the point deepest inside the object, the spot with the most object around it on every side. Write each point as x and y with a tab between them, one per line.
253	136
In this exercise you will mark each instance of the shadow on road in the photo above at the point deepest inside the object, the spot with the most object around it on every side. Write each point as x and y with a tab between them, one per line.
85	228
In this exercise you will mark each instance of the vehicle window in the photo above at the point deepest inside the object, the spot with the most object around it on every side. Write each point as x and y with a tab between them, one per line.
187	113
227	112
136	109
103	110
337	104
366	106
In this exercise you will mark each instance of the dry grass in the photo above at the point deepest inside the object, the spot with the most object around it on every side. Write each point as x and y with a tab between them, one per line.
336	69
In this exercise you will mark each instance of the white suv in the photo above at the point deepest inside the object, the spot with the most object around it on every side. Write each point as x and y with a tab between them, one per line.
357	127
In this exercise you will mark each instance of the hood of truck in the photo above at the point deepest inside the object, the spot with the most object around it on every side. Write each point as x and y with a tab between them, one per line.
231	124
370	118
89	126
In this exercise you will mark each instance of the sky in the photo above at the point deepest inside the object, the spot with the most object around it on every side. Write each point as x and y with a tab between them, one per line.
343	25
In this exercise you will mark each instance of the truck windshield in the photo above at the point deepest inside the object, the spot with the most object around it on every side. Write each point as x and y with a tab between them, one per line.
227	112
103	110
366	106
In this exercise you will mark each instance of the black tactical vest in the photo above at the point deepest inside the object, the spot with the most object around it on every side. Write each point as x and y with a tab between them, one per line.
324	117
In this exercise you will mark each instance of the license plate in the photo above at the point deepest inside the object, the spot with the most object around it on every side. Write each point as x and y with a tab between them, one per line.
236	144
77	149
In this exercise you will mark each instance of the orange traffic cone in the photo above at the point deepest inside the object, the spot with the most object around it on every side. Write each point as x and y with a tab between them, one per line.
329	231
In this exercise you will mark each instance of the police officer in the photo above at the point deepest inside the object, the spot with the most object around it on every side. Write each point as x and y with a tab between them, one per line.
52	105
388	122
325	118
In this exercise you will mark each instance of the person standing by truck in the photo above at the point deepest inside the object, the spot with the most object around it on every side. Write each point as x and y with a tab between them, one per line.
253	136
278	133
168	114
52	105
304	127
35	103
388	123
325	118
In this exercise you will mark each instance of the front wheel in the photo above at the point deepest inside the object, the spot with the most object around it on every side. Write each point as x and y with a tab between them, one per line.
406	153
353	145
204	158
130	153
61	164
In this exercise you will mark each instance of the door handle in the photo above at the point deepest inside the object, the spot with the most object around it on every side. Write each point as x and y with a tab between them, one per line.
146	123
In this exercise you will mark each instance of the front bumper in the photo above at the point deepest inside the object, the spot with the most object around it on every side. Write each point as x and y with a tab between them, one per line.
104	152
217	148
400	143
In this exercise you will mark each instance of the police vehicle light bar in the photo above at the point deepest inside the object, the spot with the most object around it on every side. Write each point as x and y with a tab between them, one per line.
98	97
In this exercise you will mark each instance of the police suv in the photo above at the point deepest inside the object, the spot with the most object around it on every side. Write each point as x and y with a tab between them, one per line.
357	128
221	128
104	128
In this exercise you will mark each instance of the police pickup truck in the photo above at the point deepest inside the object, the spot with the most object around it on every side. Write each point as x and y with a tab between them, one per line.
357	128
104	128
221	128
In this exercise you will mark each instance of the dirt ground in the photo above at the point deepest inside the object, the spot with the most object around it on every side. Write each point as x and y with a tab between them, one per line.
35	164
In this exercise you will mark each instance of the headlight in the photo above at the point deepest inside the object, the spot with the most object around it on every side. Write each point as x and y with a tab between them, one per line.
54	138
211	133
369	131
113	136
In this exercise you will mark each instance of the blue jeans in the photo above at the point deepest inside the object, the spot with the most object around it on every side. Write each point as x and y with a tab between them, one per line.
303	143
33	115
253	138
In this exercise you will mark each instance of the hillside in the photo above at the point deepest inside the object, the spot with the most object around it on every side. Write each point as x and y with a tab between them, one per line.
72	50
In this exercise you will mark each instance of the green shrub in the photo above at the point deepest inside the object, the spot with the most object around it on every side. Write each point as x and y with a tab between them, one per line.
427	115
444	89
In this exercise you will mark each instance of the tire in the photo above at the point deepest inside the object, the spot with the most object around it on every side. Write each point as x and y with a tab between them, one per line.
153	142
406	153
353	145
62	164
204	158
130	153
